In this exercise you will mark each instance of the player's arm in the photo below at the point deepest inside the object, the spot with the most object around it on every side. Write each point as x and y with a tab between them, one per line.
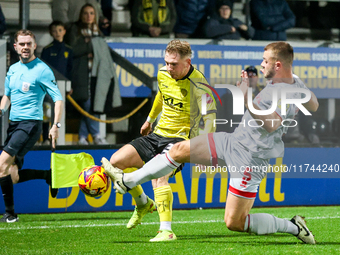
155	110
269	122
209	123
312	104
6	100
47	80
4	105
54	131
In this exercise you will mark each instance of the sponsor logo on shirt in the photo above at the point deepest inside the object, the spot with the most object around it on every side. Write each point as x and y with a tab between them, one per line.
25	86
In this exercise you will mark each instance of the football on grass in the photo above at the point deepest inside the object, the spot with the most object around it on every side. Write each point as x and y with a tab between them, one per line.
93	181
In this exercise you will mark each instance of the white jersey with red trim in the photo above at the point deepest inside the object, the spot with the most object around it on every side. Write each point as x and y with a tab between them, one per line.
253	136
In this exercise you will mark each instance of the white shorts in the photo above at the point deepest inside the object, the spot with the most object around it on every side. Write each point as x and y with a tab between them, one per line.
245	171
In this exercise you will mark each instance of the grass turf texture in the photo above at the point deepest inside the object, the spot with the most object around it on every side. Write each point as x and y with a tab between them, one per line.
198	232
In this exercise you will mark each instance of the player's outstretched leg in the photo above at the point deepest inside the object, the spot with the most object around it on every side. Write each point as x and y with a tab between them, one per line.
305	235
139	213
237	218
263	223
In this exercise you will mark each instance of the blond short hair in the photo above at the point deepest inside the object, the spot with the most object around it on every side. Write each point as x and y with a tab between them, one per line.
179	47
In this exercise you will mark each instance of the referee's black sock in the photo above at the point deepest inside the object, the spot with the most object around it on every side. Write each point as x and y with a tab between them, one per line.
33	174
7	193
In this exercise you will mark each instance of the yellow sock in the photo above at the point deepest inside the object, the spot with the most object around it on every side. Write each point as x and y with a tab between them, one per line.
164	200
136	191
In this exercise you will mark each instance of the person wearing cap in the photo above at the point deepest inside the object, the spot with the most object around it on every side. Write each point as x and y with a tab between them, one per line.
224	26
253	80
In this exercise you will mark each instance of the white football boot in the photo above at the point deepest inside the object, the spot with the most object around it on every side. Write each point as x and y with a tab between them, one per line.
116	176
304	234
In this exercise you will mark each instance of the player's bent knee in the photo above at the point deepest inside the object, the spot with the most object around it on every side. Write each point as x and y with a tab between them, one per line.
162	181
116	162
234	225
179	151
15	178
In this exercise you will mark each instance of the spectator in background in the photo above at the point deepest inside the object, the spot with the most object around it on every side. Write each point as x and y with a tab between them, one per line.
58	55
2	22
223	26
191	15
93	72
253	80
271	19
67	11
152	18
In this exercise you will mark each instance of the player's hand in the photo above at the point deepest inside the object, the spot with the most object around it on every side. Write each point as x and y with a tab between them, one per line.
146	128
105	23
243	27
53	135
155	31
244	84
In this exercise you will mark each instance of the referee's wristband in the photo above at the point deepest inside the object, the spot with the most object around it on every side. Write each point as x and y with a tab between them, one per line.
150	120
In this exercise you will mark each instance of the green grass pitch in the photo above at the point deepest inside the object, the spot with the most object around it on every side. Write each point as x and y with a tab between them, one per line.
198	232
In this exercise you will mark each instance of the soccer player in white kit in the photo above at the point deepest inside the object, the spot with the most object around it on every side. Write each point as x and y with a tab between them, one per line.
249	146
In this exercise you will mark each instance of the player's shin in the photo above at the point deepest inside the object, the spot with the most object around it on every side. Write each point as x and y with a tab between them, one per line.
7	193
138	195
157	167
164	200
264	223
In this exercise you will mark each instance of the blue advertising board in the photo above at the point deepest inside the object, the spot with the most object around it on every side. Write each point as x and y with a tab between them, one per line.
317	67
318	185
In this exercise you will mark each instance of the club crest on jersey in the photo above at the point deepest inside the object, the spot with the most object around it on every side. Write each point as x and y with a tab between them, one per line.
25	86
184	92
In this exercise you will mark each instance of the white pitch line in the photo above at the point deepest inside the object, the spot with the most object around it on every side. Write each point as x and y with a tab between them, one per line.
145	223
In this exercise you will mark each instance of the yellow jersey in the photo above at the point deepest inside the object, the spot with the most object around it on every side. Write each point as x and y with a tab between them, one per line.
180	102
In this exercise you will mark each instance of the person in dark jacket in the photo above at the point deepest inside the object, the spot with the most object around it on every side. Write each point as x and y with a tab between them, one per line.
80	36
152	18
60	56
191	15
223	26
271	19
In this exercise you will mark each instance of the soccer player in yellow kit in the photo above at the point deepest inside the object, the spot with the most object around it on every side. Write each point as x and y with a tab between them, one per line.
181	89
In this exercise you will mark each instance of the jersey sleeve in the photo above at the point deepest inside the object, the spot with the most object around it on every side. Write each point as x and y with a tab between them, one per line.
156	107
47	80
209	126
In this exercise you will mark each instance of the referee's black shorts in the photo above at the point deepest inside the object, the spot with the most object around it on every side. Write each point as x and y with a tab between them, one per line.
21	137
152	144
